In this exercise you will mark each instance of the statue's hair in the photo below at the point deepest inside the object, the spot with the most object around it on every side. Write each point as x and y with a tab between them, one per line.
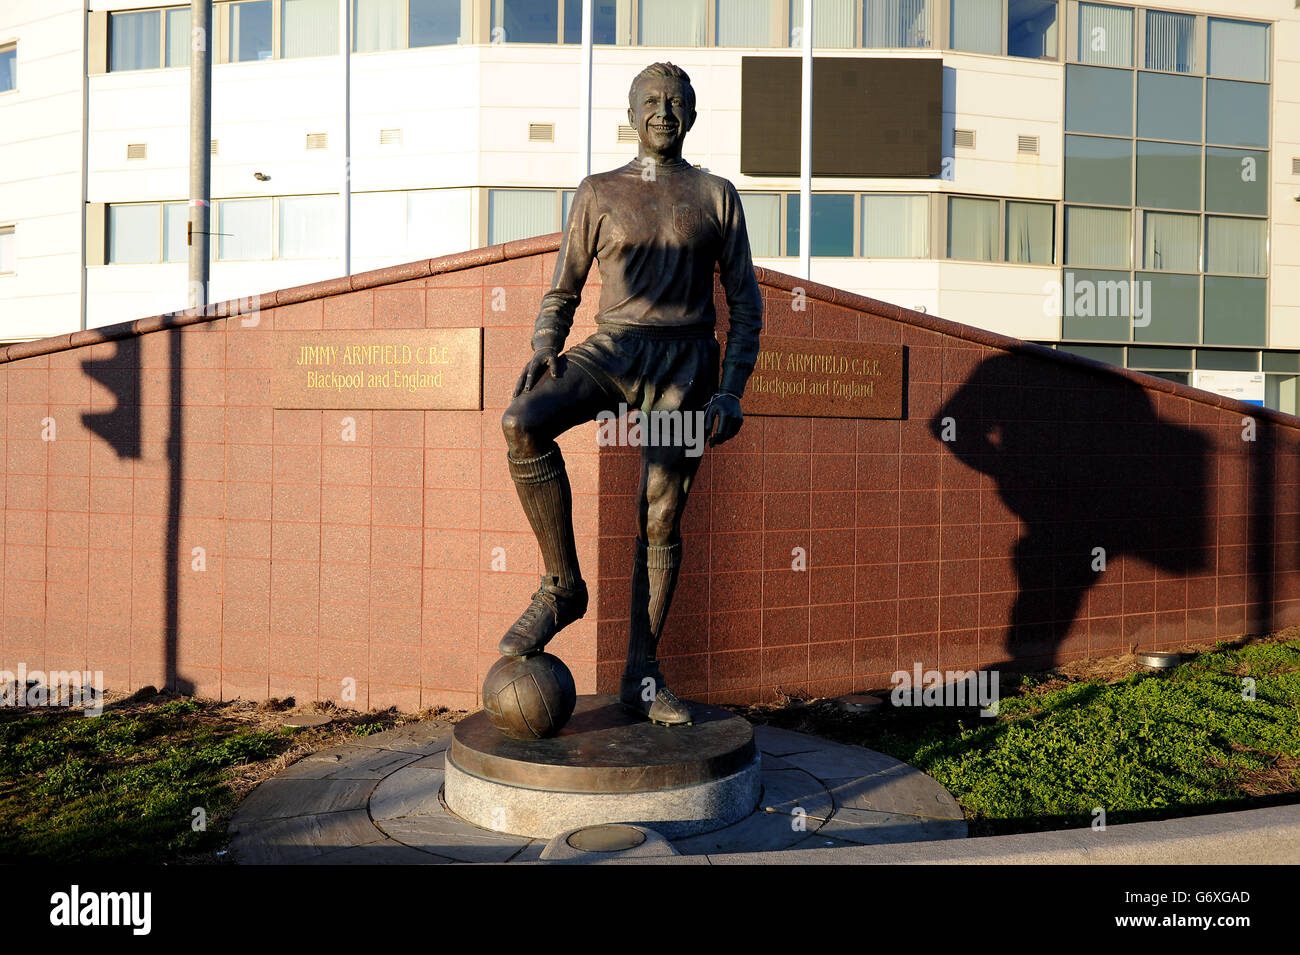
663	69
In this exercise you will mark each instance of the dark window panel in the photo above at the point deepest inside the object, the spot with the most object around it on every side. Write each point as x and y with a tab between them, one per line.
1168	176
1099	100
1095	305
1099	170
1236	311
1236	114
1169	107
1166	308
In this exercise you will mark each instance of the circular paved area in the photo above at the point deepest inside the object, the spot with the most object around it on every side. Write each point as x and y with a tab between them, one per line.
377	801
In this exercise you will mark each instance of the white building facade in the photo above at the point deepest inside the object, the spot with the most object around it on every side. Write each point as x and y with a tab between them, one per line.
1121	180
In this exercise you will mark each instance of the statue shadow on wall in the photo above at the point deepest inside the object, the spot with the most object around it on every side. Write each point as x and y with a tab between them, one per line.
1093	475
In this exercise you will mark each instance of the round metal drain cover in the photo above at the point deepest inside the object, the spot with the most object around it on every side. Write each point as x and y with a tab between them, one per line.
859	703
1160	661
305	720
611	838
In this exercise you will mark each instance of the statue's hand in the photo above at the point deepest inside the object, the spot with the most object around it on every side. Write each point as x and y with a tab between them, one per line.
724	412
541	359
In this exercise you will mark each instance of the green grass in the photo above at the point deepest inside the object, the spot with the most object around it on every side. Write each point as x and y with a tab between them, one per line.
119	787
1148	746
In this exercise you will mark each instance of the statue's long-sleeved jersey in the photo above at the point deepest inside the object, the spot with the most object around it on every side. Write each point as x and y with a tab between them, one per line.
657	234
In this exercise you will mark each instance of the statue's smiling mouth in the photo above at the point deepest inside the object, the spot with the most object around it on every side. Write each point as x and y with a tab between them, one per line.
664	127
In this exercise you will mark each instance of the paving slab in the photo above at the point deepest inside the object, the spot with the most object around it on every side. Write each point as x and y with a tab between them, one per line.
835	760
448	836
436	761
281	798
779	742
410	791
301	839
903	790
786	790
422	738
350	762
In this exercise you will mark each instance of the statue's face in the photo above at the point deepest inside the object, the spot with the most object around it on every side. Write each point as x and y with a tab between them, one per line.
662	114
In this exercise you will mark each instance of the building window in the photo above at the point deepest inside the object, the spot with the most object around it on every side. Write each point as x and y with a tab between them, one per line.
973	229
604	20
1171	42
890	24
309	227
521	214
1168	176
1236	246
975	25
1172	307
1100	238
399	24
1171	242
176	232
134	233
309	28
149	39
1031	233
763	222
1169	107
1105	35
148	232
8	250
434	23
1199	147
832	224
135	40
673	23
245	229
8	67
1099	170
550	21
1032	29
248	31
1099	101
834	27
1236	181
525	21
401	226
896	227
1238	51
743	23
1236	114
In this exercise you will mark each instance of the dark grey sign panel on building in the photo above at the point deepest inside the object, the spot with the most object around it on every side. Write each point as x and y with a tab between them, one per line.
872	116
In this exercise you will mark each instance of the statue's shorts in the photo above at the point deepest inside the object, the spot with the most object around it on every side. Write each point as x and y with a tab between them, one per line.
652	367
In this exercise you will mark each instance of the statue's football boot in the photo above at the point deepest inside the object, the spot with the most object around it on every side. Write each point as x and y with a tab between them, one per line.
552	609
654	578
652	699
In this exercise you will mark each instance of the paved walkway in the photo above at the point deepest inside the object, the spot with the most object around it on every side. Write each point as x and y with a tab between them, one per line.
377	801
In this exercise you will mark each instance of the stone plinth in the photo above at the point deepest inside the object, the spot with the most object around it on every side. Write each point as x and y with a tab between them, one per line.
607	765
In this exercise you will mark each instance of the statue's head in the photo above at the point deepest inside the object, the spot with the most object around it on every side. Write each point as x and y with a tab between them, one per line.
661	106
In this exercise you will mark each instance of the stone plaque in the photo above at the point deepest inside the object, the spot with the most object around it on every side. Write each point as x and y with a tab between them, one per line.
798	377
439	369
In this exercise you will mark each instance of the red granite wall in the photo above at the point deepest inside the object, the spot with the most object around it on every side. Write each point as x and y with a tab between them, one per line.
391	563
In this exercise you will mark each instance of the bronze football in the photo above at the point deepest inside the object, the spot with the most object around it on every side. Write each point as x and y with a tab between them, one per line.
529	697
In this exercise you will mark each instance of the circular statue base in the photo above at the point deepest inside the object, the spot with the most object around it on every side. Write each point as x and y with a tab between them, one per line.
608	764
